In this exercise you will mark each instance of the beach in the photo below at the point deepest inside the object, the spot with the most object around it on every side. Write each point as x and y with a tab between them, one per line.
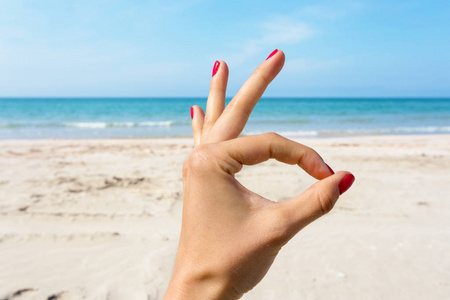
100	219
99	105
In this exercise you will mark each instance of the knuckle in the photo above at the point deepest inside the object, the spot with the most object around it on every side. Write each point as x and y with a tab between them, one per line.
325	201
208	121
272	135
198	160
262	76
278	237
310	150
246	112
280	231
310	153
241	112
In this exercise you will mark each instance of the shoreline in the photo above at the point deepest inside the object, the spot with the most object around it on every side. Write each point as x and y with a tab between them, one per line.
185	137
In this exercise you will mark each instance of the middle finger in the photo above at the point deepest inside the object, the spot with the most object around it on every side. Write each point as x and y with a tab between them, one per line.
232	121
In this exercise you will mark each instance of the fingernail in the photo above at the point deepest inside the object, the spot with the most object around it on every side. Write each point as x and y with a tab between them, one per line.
215	68
192	112
331	170
272	54
346	183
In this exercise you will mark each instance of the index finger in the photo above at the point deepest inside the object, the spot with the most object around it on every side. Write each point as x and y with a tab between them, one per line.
232	121
255	149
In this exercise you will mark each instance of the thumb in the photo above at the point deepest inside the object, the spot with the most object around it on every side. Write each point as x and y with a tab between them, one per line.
315	202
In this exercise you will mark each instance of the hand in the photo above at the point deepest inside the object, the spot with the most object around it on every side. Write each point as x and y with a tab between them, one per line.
230	236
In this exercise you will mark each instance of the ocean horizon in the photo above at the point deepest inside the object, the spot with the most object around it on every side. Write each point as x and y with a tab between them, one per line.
80	118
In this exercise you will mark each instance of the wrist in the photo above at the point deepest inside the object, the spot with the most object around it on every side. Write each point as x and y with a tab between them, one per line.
198	285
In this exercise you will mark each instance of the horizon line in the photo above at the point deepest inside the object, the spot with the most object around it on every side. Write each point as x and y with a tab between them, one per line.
197	97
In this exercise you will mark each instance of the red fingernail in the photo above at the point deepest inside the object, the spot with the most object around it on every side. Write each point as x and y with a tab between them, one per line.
192	112
215	68
331	170
272	54
346	183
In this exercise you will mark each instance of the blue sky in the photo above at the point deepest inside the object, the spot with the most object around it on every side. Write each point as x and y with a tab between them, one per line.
167	48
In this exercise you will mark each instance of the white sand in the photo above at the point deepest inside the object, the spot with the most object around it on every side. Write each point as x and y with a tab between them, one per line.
99	219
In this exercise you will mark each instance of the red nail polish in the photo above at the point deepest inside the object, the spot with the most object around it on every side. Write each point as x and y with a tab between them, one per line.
215	68
346	183
272	54
331	170
192	112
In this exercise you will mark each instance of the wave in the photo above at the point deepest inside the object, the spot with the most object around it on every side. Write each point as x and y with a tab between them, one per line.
184	128
6	126
369	131
300	133
89	125
161	123
395	130
430	129
97	125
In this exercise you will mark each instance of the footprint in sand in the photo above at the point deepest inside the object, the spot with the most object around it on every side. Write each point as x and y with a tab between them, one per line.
63	296
35	294
23	294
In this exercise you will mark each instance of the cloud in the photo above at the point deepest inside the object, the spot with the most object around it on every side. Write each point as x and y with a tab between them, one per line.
178	6
291	29
282	31
275	33
308	64
331	11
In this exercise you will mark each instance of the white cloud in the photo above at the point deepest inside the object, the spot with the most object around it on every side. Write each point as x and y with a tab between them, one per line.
291	29
179	6
282	31
273	34
331	11
308	64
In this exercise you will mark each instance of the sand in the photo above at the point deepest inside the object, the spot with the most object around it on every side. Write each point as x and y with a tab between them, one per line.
100	219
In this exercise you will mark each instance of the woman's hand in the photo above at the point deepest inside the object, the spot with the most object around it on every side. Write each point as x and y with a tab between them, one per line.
230	236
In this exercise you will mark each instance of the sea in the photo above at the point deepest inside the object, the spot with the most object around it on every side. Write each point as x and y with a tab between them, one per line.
86	118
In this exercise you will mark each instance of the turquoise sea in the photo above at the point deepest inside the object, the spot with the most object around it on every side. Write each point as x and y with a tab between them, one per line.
48	118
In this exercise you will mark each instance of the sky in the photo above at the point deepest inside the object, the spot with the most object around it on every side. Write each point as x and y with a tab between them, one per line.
138	48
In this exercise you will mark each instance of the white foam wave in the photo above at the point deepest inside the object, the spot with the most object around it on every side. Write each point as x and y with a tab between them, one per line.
395	130
291	134
122	124
87	124
161	123
369	131
98	125
299	133
431	129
